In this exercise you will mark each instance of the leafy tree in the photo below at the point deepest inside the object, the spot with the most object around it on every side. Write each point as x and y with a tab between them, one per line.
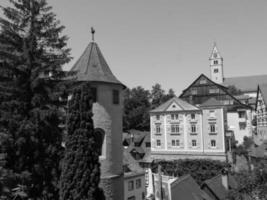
234	91
136	109
137	104
168	96
157	95
250	185
81	169
32	52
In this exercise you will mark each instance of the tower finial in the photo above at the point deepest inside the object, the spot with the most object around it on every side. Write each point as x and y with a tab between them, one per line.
93	32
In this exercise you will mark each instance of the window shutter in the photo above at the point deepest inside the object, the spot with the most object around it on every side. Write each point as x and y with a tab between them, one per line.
208	128
168	118
197	128
154	128
169	144
181	129
216	128
189	128
168	128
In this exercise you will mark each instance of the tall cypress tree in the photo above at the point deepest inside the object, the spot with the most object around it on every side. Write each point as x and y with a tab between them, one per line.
32	52
81	169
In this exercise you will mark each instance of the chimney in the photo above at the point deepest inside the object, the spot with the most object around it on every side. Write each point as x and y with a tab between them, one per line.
225	179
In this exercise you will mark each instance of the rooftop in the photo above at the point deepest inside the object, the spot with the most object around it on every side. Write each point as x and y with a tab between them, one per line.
92	66
182	105
246	83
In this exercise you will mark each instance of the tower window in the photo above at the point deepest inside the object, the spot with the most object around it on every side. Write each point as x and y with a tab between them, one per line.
194	143
158	143
215	62
94	94
116	96
216	70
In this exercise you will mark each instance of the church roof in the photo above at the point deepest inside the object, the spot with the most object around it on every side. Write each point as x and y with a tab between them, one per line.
183	105
246	83
92	66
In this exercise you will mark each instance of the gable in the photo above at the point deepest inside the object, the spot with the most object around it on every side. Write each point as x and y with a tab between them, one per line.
174	107
203	88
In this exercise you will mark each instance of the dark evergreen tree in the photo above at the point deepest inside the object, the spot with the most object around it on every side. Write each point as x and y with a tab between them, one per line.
32	52
81	168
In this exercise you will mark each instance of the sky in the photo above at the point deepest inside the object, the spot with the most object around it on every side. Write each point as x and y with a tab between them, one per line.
168	41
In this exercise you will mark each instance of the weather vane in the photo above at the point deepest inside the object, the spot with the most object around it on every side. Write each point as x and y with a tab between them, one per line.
93	32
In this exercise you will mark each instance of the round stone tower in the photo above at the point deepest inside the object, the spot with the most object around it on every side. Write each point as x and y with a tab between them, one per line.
108	111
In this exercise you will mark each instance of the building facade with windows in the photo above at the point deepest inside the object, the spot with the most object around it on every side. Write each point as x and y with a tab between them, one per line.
180	130
134	186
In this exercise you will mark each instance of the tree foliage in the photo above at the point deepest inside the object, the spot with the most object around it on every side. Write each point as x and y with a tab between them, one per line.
138	102
234	91
136	109
32	52
250	185
199	169
81	168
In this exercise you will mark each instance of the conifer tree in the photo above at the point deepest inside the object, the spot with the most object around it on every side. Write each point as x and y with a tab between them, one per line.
32	52
81	169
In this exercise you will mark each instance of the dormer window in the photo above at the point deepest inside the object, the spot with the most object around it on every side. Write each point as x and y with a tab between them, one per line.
215	62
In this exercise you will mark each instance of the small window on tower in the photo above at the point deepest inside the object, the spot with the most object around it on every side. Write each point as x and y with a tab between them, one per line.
116	97
216	70
94	94
215	62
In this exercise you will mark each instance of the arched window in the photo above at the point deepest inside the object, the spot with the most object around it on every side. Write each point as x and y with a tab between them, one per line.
100	135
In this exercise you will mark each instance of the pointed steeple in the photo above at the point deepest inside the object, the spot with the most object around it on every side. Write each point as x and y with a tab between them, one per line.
216	65
92	66
215	54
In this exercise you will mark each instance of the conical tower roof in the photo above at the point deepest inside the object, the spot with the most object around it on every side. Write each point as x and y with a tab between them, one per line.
92	66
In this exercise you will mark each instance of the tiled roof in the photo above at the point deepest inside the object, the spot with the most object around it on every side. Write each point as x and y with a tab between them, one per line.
185	187
246	83
130	162
181	103
217	188
92	66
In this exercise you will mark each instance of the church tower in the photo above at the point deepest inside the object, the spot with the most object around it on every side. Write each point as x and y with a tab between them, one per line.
107	116
216	66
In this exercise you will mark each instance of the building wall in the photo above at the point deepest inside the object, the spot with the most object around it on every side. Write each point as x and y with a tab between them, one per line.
191	145
240	125
138	193
261	114
107	116
168	137
214	130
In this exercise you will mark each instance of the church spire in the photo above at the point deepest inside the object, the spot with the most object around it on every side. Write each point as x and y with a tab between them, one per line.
216	65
